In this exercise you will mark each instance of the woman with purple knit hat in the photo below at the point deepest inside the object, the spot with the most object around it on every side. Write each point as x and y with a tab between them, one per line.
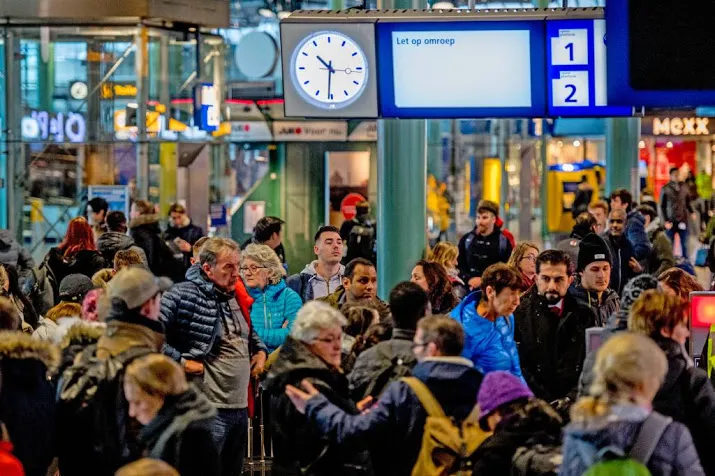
516	418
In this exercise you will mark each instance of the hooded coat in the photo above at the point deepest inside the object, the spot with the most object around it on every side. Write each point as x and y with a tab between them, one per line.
180	434
161	259
299	448
111	242
27	398
610	302
490	345
86	262
661	256
308	281
12	254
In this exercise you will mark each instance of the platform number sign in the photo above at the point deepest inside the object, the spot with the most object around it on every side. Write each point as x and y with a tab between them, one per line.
576	55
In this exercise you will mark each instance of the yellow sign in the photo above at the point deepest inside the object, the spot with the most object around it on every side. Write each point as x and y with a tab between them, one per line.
111	90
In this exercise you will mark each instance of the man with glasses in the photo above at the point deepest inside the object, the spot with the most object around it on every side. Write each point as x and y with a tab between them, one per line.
625	266
208	331
376	367
551	331
393	428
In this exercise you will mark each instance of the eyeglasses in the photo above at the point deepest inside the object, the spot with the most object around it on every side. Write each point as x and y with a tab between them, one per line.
253	268
530	258
329	340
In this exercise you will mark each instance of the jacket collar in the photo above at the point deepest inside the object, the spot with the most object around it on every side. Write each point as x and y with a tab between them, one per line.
450	360
270	291
144	220
403	334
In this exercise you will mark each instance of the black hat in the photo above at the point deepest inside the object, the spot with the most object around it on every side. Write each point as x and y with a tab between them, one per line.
591	249
74	287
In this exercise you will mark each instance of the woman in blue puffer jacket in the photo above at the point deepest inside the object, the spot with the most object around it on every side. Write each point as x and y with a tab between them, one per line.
275	305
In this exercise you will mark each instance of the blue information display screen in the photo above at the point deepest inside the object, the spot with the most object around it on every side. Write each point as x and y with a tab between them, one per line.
461	69
576	56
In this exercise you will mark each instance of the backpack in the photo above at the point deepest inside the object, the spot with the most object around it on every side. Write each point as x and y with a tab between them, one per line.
447	448
90	408
537	460
41	293
610	461
362	241
395	370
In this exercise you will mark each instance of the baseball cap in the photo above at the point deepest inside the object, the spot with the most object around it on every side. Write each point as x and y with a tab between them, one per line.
74	287
135	286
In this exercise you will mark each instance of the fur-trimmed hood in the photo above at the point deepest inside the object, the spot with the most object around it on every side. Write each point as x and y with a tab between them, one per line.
82	333
19	346
144	220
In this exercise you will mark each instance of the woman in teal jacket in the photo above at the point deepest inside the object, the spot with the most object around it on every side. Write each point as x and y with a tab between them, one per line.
274	304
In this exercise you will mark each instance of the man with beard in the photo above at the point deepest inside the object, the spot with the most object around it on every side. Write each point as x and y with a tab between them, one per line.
594	275
551	331
359	287
625	266
482	247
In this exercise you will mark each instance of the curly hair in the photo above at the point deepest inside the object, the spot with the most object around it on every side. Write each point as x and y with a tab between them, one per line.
679	281
440	292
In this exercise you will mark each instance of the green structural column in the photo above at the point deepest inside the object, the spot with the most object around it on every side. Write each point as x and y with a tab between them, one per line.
401	222
622	136
434	149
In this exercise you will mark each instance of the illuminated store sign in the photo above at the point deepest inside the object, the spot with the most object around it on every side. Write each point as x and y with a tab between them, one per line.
676	126
60	127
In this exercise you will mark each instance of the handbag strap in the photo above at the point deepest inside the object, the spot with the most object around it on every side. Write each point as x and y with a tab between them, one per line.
648	437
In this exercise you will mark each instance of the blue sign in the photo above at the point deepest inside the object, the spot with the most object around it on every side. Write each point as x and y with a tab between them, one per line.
117	196
218	214
620	90
207	107
576	54
461	69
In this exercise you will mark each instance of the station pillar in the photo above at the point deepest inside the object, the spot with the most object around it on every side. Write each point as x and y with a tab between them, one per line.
622	137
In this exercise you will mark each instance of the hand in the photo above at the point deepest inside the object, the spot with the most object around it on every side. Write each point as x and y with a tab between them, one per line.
183	245
258	364
474	283
668	225
364	403
193	367
635	265
299	397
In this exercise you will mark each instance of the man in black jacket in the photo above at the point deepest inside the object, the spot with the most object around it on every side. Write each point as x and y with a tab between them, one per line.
269	231
625	266
551	330
675	207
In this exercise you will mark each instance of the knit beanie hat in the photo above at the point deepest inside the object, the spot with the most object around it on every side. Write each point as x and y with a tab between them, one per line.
591	249
635	287
497	389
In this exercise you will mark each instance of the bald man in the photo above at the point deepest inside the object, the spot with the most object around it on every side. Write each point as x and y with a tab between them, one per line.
625	266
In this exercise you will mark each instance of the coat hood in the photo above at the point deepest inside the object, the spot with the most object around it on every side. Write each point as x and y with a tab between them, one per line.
466	313
82	333
17	345
6	238
612	430
635	215
114	240
310	269
272	291
296	362
151	221
451	376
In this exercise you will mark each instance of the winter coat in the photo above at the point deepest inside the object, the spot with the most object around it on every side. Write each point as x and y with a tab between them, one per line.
618	322
393	428
661	256
85	262
365	378
189	233
552	348
126	330
161	259
110	242
77	338
102	278
674	455
636	234
675	202
582	199
535	423
622	252
273	313
482	252
13	254
52	331
609	305
490	345
688	397
27	398
306	282
180	434
298	447
191	312
340	298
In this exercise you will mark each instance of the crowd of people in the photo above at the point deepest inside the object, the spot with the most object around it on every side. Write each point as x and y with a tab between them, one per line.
133	351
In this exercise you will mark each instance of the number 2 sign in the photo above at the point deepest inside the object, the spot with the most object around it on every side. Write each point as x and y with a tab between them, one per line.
571	89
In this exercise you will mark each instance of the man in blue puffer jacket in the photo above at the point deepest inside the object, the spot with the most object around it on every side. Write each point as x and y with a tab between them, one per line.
487	316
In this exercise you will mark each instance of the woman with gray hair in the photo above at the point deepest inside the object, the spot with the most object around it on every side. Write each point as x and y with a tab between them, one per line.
312	352
275	305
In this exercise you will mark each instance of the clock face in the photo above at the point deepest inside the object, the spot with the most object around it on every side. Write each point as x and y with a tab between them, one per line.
78	90
329	70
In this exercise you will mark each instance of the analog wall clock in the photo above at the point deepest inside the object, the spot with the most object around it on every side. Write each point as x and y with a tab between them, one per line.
329	70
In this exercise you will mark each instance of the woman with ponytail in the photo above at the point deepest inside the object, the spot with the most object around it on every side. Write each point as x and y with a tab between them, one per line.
605	425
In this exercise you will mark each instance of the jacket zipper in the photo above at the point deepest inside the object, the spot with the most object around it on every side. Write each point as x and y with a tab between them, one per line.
266	315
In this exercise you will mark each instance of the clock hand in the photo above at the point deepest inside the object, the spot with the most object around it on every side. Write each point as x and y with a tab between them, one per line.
330	76
330	68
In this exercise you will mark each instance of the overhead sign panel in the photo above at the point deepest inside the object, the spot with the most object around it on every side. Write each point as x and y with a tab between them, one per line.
461	69
576	57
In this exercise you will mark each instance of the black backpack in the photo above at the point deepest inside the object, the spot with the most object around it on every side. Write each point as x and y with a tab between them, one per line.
362	241
41	293
92	414
537	460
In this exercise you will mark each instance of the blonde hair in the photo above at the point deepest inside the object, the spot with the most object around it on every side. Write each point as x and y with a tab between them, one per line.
147	467
444	253
4	278
265	256
519	252
653	311
624	364
157	375
64	309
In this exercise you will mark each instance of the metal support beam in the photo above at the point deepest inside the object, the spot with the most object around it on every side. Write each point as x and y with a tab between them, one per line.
13	135
142	71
